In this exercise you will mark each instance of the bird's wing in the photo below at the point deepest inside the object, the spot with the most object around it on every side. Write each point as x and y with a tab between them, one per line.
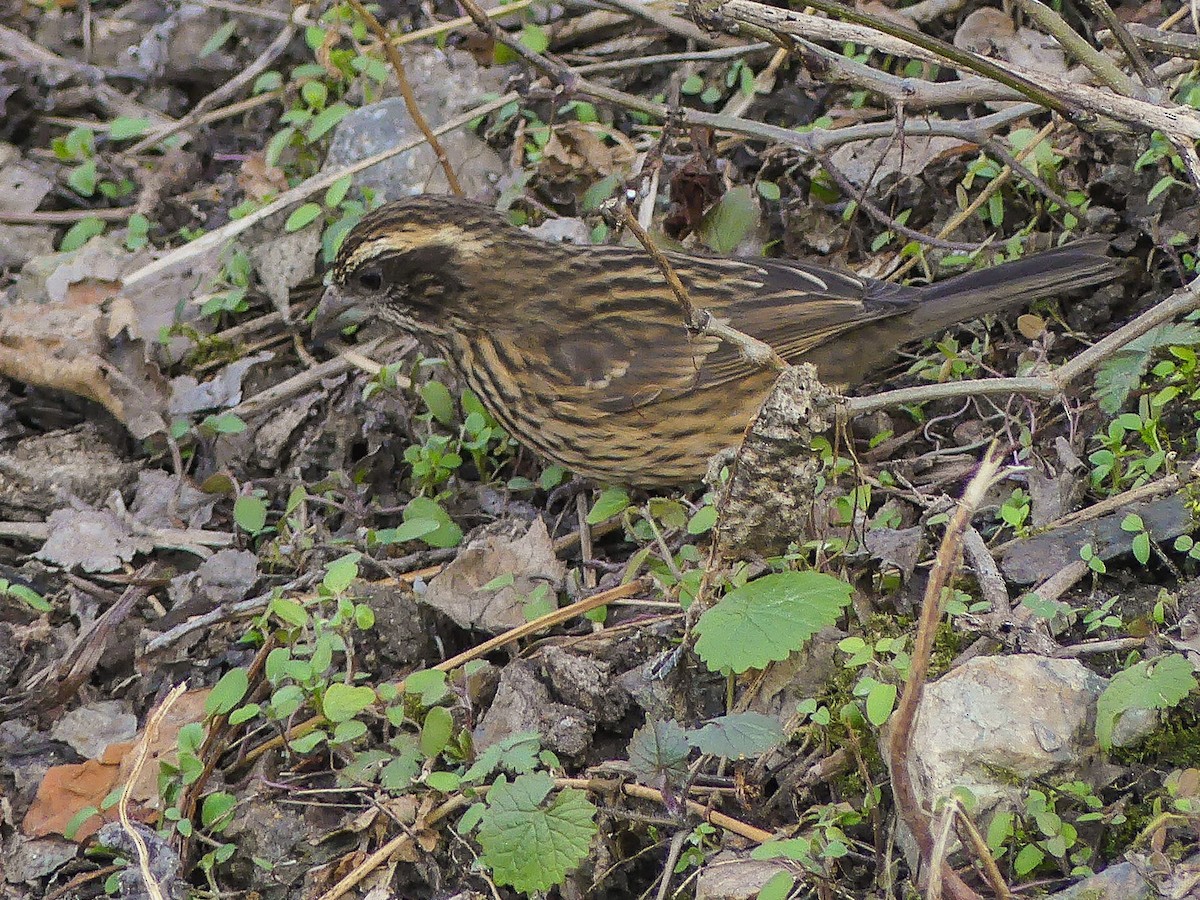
791	305
630	347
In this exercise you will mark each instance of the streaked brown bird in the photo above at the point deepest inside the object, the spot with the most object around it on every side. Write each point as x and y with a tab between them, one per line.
582	354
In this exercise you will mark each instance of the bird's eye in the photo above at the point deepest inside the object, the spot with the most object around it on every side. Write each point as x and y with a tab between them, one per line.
370	280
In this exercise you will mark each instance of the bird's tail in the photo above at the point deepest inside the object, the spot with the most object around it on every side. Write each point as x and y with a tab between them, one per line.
974	294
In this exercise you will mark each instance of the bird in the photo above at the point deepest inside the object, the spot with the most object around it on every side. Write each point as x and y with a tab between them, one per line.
581	352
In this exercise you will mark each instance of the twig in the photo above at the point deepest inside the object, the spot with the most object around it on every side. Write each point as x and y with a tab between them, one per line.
149	735
406	91
224	92
697	320
903	720
1067	37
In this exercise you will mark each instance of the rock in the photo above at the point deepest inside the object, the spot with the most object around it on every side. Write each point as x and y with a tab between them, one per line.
90	729
20	243
446	83
44	471
997	723
1118	882
728	877
22	188
523	703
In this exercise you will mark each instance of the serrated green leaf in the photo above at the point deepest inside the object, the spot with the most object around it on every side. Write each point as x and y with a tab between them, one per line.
738	736
768	619
1151	684
659	750
529	846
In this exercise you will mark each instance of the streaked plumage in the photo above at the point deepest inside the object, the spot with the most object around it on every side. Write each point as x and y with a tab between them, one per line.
581	352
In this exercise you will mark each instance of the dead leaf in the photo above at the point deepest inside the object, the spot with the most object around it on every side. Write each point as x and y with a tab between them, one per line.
67	790
93	539
579	149
461	591
259	179
87	344
1031	326
880	159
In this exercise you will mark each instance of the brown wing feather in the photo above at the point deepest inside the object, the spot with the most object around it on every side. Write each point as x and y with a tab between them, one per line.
792	306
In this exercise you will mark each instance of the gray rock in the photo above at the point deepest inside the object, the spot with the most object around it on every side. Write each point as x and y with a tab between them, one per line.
446	83
728	877
1118	882
20	243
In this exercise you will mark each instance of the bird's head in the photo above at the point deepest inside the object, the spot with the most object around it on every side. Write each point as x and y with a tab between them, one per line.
410	262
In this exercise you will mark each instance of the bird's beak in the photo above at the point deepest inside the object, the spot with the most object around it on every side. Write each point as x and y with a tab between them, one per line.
335	312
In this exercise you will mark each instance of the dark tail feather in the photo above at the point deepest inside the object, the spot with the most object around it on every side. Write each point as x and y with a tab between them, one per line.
973	294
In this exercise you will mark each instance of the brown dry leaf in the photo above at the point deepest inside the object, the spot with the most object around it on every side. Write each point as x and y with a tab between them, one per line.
879	159
66	790
991	32
88	344
507	548
260	180
579	149
95	540
1031	326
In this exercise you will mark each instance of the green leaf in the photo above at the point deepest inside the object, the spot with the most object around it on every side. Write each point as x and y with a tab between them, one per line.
290	612
429	683
1028	859
436	731
325	120
1152	684
881	700
529	846
123	128
303	215
1141	547
83	178
80	233
336	192
659	751
777	887
611	502
535	37
730	220
437	398
344	701
250	513
447	533
228	692
412	530
218	39
1122	372
768	619
703	521
340	573
693	84
739	736
768	190
215	807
